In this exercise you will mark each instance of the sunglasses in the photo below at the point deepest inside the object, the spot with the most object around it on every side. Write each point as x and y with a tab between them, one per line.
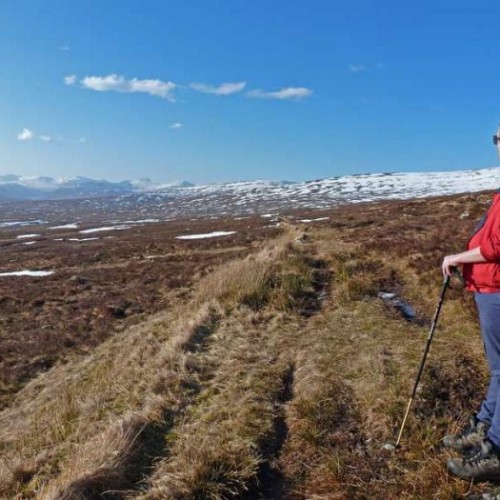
496	139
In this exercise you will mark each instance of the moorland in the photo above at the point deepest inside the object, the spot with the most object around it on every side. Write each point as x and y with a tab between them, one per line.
261	363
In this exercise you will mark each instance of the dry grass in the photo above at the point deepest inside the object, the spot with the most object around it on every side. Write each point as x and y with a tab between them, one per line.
262	385
218	448
81	415
86	427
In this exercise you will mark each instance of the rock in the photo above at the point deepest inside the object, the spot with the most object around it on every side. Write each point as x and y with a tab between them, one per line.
403	307
80	280
389	447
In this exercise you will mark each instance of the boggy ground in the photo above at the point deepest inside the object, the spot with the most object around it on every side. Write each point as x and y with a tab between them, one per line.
276	373
100	285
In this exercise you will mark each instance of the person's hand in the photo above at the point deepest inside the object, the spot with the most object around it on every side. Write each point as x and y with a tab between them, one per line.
449	262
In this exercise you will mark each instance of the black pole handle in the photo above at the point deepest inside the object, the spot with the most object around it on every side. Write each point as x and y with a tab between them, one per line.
446	283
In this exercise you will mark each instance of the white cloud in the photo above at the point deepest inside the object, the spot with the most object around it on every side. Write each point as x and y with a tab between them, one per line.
64	48
70	79
289	93
165	89
116	83
25	135
224	89
82	140
357	68
176	125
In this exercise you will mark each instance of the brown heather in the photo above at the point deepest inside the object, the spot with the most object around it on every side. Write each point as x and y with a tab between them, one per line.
278	373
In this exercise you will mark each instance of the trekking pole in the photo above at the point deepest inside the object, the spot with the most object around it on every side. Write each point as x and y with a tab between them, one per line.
446	282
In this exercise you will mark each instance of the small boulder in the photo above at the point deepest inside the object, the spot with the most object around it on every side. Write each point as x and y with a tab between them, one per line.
79	280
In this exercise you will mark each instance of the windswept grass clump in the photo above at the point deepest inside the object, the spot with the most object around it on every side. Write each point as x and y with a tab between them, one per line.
279	275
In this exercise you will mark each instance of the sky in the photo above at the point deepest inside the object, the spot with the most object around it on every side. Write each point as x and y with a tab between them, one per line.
227	90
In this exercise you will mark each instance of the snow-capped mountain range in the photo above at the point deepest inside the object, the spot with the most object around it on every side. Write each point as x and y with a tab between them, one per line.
183	199
16	187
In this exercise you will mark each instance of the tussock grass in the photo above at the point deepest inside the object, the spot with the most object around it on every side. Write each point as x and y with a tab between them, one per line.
376	355
278	273
84	428
220	443
87	413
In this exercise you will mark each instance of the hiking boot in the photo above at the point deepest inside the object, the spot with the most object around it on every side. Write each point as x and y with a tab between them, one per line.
482	465
471	436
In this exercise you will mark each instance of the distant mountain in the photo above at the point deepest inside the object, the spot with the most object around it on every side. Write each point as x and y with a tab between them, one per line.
183	199
250	197
18	188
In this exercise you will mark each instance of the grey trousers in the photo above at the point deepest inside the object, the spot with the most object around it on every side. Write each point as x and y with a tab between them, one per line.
488	305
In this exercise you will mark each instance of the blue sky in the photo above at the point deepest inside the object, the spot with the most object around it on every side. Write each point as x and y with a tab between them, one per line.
225	90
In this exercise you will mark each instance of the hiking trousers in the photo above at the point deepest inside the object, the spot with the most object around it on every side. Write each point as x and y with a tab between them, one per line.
488	305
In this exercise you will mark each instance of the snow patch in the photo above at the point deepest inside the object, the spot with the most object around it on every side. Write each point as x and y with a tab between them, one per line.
100	229
28	236
314	220
214	234
65	226
22	223
27	272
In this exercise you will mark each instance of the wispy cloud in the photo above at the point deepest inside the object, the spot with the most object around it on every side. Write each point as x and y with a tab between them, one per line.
288	93
116	83
70	79
363	68
357	68
165	89
63	48
223	89
176	125
82	140
25	135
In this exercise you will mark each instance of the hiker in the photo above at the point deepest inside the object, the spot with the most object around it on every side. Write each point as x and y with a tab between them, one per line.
479	442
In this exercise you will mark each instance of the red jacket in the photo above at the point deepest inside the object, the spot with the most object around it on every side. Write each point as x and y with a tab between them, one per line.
484	277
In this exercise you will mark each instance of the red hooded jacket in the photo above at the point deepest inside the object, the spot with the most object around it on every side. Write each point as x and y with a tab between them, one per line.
484	277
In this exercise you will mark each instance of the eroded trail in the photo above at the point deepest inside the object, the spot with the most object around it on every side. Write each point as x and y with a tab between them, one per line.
229	443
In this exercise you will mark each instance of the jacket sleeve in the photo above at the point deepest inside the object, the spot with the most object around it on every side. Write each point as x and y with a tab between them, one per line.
490	248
